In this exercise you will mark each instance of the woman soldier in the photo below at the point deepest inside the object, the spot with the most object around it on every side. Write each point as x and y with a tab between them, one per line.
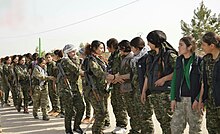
8	79
40	88
96	76
68	86
185	88
210	81
138	67
23	77
160	66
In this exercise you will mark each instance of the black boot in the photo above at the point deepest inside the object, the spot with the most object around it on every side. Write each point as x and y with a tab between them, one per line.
78	130
26	110
46	118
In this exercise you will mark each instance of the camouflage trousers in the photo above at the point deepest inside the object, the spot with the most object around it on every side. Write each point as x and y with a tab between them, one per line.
212	118
119	108
40	99
53	95
140	115
87	102
101	112
161	106
72	103
23	94
184	114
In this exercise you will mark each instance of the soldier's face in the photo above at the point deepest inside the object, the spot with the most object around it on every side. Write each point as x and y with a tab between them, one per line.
8	61
206	48
49	58
100	50
22	61
16	60
183	49
135	50
43	64
111	49
72	54
152	46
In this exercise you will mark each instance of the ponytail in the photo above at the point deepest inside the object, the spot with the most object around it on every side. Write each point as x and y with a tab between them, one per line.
88	50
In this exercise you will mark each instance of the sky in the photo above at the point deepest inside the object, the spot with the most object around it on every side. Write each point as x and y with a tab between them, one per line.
61	22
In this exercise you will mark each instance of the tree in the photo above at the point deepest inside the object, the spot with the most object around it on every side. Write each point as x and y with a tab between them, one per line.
201	22
42	52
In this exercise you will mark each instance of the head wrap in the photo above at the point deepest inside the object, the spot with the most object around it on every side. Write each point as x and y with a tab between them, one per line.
156	37
68	48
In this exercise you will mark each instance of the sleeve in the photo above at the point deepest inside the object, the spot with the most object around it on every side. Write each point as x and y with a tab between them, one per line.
172	60
173	86
37	74
72	66
97	70
18	72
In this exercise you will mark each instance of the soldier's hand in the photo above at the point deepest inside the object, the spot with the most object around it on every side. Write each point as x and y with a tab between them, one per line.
51	78
1	93
143	97
160	82
173	105
31	93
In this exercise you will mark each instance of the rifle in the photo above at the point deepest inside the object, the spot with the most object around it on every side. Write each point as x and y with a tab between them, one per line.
66	81
91	84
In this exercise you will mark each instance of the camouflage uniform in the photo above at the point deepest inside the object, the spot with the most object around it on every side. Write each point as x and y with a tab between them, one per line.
97	70
71	97
117	102
23	77
139	118
1	84
159	96
85	94
10	83
54	98
40	90
212	111
185	87
145	110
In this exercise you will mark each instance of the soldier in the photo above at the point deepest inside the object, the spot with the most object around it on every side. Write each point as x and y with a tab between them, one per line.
210	81
138	69
96	76
52	71
23	77
1	83
15	88
68	85
185	88
40	88
9	80
117	102
160	66
85	88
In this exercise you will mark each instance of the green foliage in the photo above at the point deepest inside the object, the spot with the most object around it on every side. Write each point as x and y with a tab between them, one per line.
202	22
42	52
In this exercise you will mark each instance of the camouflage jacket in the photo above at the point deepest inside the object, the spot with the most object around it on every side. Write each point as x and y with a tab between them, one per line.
39	76
9	74
211	78
52	69
98	70
114	62
125	68
22	73
71	71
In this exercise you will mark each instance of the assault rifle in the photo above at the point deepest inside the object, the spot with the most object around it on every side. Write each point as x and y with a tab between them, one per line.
63	75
